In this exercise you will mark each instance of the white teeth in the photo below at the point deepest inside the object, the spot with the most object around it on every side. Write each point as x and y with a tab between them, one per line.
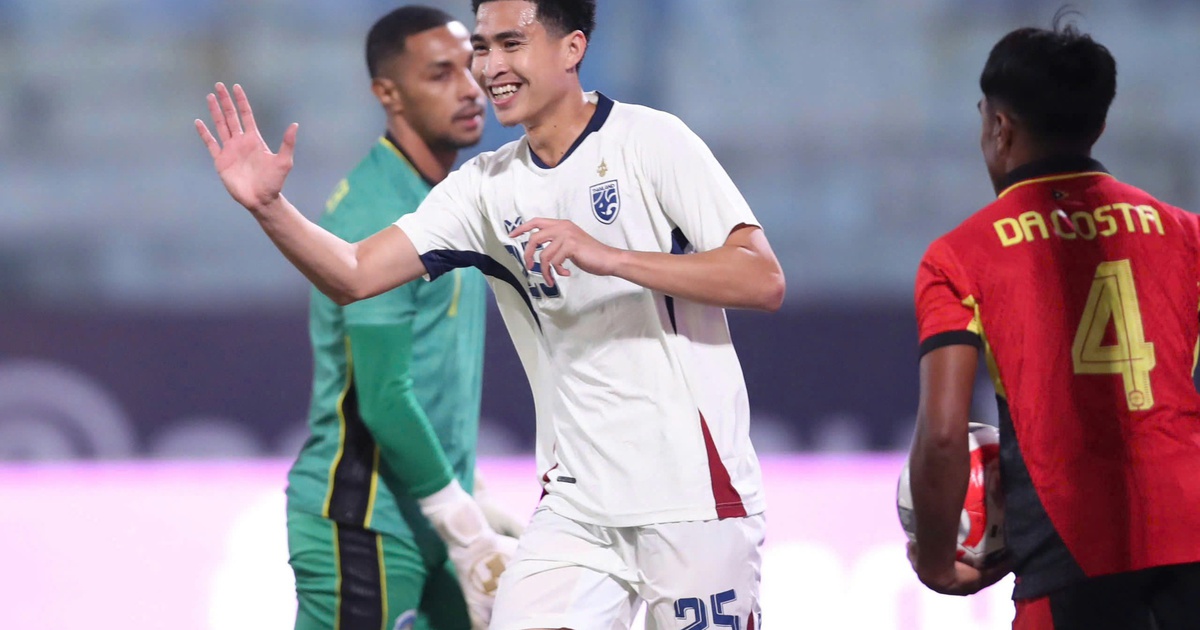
503	90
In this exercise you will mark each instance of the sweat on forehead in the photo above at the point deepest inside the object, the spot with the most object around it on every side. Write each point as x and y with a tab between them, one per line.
505	15
528	16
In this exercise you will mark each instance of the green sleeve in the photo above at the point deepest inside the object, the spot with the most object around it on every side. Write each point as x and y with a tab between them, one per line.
412	462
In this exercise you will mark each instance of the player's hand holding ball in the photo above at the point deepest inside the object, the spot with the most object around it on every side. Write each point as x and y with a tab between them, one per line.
980	558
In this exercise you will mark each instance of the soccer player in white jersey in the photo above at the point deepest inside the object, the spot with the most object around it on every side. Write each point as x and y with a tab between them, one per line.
613	241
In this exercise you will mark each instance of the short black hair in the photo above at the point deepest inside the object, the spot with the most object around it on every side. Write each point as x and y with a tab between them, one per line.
561	17
386	38
1058	82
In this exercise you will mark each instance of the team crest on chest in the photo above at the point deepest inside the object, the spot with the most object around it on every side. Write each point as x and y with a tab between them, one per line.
606	201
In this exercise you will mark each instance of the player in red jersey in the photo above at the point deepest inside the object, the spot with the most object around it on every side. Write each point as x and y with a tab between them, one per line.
1081	291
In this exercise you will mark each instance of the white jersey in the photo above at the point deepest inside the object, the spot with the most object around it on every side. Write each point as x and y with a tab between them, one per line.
641	405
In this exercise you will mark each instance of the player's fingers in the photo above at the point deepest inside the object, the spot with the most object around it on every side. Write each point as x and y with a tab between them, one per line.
530	249
214	149
556	256
532	224
536	240
968	579
227	107
243	108
214	109
552	255
288	148
548	272
994	574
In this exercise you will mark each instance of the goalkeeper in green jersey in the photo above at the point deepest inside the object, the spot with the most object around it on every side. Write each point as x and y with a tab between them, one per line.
380	522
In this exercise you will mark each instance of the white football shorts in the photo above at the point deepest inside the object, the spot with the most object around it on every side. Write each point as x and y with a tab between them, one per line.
691	575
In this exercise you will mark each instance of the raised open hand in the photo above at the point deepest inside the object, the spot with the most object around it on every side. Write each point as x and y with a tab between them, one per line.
252	174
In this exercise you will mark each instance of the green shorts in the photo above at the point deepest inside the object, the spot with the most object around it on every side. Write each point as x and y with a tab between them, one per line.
350	578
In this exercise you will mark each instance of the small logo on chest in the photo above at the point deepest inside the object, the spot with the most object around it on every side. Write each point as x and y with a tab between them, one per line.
602	170
606	201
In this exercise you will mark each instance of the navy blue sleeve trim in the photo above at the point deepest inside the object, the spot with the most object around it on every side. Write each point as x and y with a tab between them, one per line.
679	242
440	261
679	246
950	338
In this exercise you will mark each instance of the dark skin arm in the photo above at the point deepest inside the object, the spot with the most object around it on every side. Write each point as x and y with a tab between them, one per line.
940	467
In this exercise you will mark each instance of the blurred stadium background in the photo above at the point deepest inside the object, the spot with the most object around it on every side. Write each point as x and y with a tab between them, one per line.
152	338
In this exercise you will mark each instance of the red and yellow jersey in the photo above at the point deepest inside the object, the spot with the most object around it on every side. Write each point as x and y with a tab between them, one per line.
1083	293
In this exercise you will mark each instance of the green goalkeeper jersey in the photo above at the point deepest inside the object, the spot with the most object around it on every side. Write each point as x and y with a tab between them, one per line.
397	378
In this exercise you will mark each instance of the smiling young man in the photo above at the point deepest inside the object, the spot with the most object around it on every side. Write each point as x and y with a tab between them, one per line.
613	241
1082	292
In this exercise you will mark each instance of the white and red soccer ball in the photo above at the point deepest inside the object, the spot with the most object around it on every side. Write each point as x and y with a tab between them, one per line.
981	526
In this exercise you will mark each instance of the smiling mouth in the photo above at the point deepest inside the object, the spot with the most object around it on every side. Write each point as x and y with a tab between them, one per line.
502	92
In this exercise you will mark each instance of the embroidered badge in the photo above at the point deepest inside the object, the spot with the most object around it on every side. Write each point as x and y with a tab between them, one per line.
606	201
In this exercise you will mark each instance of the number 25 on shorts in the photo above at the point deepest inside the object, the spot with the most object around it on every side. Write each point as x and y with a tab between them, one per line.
1113	298
692	609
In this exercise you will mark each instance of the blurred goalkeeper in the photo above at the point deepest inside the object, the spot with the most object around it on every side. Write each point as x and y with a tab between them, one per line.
397	380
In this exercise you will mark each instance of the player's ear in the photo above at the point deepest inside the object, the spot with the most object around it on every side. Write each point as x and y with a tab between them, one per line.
1004	127
575	46
388	94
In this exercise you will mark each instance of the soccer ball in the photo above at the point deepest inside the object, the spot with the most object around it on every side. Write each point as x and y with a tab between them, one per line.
981	526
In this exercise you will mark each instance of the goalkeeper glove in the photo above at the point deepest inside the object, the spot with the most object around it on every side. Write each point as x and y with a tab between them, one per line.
478	553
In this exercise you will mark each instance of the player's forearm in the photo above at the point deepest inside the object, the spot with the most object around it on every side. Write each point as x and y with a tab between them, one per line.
326	260
415	463
940	467
941	461
730	276
413	460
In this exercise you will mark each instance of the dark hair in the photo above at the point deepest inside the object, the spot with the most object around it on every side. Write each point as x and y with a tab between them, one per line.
386	38
561	17
1058	82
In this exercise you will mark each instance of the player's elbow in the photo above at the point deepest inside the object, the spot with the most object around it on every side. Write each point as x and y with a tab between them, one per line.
771	291
350	282
341	299
777	291
341	295
346	294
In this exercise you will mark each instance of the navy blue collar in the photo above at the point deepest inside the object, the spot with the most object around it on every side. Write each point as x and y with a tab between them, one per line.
1057	165
604	107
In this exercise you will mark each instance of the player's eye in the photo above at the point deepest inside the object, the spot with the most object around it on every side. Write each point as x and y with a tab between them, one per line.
511	44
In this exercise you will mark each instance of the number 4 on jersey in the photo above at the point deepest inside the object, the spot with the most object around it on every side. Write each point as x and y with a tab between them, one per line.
1113	298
